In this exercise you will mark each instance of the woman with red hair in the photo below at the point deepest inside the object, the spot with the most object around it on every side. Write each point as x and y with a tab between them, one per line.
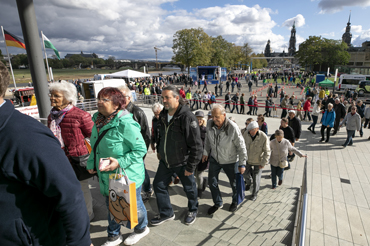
123	146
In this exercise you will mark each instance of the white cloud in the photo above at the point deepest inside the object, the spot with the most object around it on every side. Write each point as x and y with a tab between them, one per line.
332	6
357	40
126	29
298	19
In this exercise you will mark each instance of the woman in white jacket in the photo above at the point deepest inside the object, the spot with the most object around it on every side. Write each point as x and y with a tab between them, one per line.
279	152
315	116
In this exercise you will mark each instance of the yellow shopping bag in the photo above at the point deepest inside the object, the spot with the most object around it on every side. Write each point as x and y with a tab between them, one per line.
122	199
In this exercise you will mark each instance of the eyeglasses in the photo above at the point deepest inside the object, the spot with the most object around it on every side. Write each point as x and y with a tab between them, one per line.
54	96
104	100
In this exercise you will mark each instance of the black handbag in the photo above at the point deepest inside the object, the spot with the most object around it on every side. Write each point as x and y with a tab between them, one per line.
79	163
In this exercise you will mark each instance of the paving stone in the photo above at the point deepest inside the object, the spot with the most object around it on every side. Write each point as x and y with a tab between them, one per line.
190	236
247	239
329	240
358	232
343	227
330	224
316	238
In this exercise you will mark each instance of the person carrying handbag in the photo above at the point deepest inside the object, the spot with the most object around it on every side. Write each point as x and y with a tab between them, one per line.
278	159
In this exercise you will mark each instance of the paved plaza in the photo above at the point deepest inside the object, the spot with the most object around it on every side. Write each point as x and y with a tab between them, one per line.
338	205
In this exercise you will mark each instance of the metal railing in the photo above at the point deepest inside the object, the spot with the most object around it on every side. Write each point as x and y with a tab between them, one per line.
299	232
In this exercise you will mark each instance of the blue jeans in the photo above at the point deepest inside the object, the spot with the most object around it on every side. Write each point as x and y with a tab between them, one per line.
314	119
350	135
146	184
276	171
213	172
305	114
160	184
237	108
114	228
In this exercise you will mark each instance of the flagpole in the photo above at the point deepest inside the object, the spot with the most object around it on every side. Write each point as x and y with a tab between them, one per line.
46	58
10	63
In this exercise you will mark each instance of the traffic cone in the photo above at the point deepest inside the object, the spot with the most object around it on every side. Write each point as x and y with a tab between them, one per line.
261	93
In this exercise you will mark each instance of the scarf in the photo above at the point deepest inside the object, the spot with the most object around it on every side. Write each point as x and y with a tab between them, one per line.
101	120
57	117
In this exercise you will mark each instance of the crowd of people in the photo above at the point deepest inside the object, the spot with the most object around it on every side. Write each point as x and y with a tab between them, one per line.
44	185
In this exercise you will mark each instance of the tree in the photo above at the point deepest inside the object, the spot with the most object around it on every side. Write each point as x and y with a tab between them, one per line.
321	51
18	60
246	51
192	47
220	51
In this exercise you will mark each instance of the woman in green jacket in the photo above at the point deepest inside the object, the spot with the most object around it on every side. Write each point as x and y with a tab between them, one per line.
124	147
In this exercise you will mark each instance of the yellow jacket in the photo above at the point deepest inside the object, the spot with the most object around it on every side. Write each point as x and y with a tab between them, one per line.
146	91
188	95
322	94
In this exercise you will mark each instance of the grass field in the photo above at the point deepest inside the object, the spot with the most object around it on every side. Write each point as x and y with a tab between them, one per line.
24	75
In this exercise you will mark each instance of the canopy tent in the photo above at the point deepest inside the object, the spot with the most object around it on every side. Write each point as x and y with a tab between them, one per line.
127	74
326	83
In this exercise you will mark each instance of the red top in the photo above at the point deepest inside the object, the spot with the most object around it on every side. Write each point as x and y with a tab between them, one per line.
307	105
76	126
182	93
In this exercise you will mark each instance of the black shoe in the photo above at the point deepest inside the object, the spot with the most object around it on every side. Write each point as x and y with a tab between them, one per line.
322	140
213	209
158	220
233	207
361	135
286	168
309	129
254	197
327	140
247	187
344	145
190	218
334	133
313	132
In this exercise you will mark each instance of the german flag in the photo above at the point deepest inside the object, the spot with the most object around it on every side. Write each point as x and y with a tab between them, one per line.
12	40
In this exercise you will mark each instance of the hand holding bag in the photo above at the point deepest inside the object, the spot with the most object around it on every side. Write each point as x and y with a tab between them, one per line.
122	199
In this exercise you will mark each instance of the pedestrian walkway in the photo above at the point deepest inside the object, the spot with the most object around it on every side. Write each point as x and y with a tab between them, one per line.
338	205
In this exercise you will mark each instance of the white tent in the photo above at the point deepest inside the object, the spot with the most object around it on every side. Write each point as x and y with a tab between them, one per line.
128	74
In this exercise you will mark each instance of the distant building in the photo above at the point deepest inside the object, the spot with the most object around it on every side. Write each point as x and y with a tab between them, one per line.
347	36
93	55
274	63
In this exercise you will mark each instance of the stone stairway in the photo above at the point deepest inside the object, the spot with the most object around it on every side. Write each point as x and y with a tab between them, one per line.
267	221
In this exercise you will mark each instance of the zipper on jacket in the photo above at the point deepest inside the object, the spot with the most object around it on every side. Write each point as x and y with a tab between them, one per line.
165	141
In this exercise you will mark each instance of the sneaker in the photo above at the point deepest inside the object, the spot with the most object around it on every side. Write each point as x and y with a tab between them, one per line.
213	209
135	237
158	220
113	241
190	218
233	207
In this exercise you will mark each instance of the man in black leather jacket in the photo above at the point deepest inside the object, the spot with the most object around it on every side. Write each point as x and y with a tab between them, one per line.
140	117
179	149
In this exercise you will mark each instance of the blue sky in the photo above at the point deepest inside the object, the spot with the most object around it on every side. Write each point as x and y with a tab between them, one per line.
130	29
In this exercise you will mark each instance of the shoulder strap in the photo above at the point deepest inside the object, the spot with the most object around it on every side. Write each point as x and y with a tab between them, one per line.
96	145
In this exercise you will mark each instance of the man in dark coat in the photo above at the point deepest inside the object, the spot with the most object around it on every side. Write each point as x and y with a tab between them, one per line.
41	200
340	113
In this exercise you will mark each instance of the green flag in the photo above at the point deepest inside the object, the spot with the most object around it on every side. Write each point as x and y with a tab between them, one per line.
49	45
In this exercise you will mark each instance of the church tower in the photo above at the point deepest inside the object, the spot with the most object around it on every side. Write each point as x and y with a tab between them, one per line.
347	36
292	41
268	49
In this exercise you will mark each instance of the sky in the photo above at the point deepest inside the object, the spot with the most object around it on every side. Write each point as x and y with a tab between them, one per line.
129	29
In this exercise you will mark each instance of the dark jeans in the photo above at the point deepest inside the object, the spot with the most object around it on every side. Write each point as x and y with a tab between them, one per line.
242	109
307	113
366	122
314	122
160	184
214	170
336	124
350	135
250	110
327	132
284	113
146	184
114	228
227	105
276	171
205	88
255	110
267	113
220	91
195	102
237	108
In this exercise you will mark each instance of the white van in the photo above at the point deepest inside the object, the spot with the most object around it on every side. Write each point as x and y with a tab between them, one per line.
350	81
92	88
